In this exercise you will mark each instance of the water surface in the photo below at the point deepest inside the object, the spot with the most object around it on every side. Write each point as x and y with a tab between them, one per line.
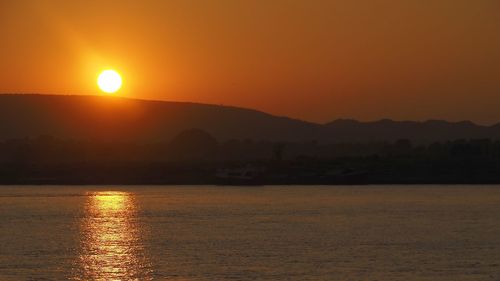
250	233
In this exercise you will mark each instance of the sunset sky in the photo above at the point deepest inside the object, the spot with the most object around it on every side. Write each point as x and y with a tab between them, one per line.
313	60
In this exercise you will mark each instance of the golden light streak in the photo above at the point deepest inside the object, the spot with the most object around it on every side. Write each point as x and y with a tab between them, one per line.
111	247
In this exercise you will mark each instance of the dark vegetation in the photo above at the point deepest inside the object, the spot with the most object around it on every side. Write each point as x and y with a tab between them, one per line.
195	157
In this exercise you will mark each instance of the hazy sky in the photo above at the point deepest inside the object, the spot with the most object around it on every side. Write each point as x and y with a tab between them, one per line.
314	60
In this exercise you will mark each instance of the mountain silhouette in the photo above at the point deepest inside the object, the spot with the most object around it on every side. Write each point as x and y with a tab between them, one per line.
421	132
114	118
123	119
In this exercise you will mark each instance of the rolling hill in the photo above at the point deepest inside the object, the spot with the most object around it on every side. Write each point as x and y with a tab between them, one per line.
113	119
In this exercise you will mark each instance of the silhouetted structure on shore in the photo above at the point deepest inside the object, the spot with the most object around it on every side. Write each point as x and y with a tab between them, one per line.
195	157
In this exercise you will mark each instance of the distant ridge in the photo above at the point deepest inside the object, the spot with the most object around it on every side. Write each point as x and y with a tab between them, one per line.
123	119
116	118
427	131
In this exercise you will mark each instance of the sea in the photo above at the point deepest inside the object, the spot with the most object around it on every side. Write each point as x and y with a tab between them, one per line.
379	232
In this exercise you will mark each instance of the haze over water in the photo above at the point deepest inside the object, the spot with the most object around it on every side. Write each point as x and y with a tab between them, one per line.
250	233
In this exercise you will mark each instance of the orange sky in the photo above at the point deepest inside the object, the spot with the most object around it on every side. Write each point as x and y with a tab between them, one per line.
314	60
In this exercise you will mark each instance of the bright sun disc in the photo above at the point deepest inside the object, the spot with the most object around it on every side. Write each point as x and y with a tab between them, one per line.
109	81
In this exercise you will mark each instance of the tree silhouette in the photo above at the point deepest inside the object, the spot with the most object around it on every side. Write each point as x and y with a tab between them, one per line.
278	149
194	144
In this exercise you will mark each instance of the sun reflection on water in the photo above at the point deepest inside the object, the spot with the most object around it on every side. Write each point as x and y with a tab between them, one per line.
111	247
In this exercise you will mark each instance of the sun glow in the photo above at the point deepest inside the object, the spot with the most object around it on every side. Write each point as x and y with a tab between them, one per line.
109	81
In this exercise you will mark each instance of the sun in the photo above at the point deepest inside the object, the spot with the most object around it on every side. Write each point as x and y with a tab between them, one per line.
109	81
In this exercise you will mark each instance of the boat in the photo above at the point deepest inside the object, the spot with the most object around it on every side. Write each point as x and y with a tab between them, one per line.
247	175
